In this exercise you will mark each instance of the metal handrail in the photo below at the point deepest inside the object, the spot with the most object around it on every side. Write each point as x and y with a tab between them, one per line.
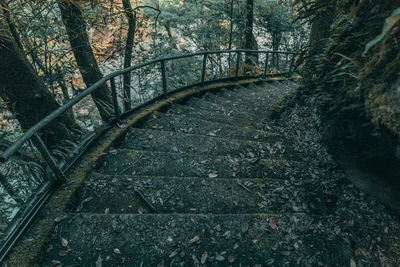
55	114
34	205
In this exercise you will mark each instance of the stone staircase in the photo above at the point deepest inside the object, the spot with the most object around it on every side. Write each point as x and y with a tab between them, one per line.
208	182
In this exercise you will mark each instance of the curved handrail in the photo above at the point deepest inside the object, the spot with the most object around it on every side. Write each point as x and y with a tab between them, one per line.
55	114
33	205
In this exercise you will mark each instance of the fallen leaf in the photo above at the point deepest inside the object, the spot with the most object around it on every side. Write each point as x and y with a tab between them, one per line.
107	211
212	175
352	263
83	202
64	242
285	253
245	227
161	264
272	224
204	257
231	259
99	262
117	251
174	253
196	262
60	218
64	253
194	239
219	257
269	262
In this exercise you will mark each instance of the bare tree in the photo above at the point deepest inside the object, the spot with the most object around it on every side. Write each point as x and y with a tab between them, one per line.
79	40
25	93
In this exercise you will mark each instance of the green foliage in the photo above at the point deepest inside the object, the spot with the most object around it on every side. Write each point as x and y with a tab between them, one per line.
388	25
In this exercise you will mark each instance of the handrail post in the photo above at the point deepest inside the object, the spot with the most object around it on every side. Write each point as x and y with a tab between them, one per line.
164	78
266	64
203	71
37	141
277	61
291	63
115	99
237	65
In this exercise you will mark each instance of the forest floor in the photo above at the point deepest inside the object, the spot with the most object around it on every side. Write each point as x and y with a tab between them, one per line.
368	231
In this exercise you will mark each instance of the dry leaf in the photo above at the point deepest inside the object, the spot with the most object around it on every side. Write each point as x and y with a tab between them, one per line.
64	242
219	257
212	175
99	262
64	253
272	224
174	253
60	218
83	202
204	257
196	262
117	251
352	263
107	211
245	227
231	259
194	239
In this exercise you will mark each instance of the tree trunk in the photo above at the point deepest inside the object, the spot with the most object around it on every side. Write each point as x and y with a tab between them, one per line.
11	25
25	93
230	32
131	15
79	40
319	32
249	38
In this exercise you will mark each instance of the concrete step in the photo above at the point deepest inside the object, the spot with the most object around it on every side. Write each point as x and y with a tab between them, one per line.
150	194
163	240
208	115
131	162
264	95
186	124
164	141
240	111
194	240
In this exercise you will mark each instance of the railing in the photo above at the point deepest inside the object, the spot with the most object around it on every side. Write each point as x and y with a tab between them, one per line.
184	70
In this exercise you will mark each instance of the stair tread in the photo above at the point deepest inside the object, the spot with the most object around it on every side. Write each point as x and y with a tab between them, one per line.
125	161
133	194
172	239
235	109
164	141
186	124
210	116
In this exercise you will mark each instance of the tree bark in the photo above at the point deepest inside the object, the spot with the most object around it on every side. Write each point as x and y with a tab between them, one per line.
25	93
76	29
11	25
249	38
131	15
319	32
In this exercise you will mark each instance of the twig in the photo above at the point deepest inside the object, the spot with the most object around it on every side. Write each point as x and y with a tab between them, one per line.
165	200
145	200
243	186
130	166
